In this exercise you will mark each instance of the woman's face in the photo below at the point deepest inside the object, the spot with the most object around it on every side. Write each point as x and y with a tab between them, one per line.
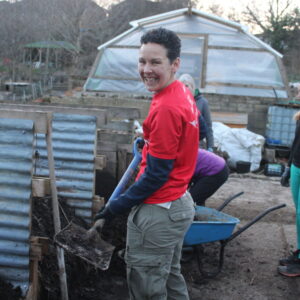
155	68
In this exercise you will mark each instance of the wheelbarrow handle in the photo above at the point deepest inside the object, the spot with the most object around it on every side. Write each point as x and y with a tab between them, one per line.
257	218
229	200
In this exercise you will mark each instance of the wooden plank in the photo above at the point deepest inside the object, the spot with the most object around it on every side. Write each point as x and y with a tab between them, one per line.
204	62
114	111
119	126
111	156
121	113
98	202
29	109
116	137
106	146
251	86
56	213
40	186
38	247
238	120
284	76
100	162
122	163
239	48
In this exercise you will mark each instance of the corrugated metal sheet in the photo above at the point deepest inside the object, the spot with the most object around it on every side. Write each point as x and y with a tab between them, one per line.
74	142
16	152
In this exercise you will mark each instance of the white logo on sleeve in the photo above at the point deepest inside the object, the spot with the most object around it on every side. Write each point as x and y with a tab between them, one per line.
194	123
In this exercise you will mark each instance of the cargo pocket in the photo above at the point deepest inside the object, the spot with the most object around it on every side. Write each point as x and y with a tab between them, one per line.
147	275
181	219
134	234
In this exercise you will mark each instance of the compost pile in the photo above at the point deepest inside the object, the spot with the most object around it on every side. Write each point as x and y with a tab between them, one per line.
8	292
84	281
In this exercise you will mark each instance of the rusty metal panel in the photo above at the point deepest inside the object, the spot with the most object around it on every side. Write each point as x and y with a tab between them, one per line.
74	149
16	152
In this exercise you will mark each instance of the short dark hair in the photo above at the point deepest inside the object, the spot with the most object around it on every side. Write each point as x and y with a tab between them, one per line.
166	38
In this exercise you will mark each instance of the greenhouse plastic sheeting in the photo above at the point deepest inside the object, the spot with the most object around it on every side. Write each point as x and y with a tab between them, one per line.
110	65
243	67
236	39
228	60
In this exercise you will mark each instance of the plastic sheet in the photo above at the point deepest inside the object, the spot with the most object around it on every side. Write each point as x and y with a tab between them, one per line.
240	144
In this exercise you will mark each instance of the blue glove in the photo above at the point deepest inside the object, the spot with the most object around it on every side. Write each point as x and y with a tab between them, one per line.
104	213
285	177
210	149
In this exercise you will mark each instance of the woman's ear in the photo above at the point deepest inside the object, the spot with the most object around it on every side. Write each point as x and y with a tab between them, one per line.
176	65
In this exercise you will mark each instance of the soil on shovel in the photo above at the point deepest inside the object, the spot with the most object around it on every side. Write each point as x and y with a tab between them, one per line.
91	248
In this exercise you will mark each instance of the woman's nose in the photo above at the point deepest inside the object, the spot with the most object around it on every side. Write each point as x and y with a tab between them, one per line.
147	68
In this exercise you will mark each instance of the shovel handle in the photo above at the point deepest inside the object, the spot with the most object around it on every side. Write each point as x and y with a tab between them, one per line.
129	172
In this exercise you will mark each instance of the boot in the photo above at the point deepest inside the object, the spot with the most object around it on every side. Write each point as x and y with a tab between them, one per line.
291	270
292	259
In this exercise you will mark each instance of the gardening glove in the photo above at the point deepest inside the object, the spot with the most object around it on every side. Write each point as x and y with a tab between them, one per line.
285	177
104	213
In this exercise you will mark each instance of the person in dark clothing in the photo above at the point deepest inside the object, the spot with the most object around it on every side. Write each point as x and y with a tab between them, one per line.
210	173
202	105
290	266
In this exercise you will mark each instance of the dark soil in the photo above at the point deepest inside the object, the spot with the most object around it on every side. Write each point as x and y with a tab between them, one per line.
8	292
84	281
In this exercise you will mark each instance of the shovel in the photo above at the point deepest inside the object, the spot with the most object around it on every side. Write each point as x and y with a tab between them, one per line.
87	244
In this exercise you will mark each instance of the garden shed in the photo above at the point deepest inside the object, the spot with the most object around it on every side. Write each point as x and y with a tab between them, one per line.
222	56
46	52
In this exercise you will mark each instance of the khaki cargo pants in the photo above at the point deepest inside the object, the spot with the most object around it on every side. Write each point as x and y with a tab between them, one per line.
154	243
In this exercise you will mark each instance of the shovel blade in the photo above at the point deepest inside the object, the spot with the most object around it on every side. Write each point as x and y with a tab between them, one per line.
93	250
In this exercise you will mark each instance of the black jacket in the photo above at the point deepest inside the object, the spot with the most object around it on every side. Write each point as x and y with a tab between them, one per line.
295	150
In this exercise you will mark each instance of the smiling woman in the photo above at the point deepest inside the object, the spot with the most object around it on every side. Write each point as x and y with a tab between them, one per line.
161	208
155	67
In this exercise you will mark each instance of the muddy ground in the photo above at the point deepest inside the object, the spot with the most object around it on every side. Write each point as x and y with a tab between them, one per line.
250	260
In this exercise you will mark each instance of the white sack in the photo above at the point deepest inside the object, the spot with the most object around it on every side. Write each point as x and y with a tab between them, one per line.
239	143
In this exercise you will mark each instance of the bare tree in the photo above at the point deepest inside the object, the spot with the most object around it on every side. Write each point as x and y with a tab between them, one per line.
276	24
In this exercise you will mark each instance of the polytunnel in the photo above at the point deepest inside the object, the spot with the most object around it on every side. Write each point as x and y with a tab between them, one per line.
221	55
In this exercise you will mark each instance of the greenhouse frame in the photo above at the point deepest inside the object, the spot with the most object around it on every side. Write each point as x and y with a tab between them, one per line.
221	55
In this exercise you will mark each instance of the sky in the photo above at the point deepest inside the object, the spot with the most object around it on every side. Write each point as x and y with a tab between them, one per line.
240	5
227	5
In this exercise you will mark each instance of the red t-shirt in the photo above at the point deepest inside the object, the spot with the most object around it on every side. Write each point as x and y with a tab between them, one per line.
171	132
